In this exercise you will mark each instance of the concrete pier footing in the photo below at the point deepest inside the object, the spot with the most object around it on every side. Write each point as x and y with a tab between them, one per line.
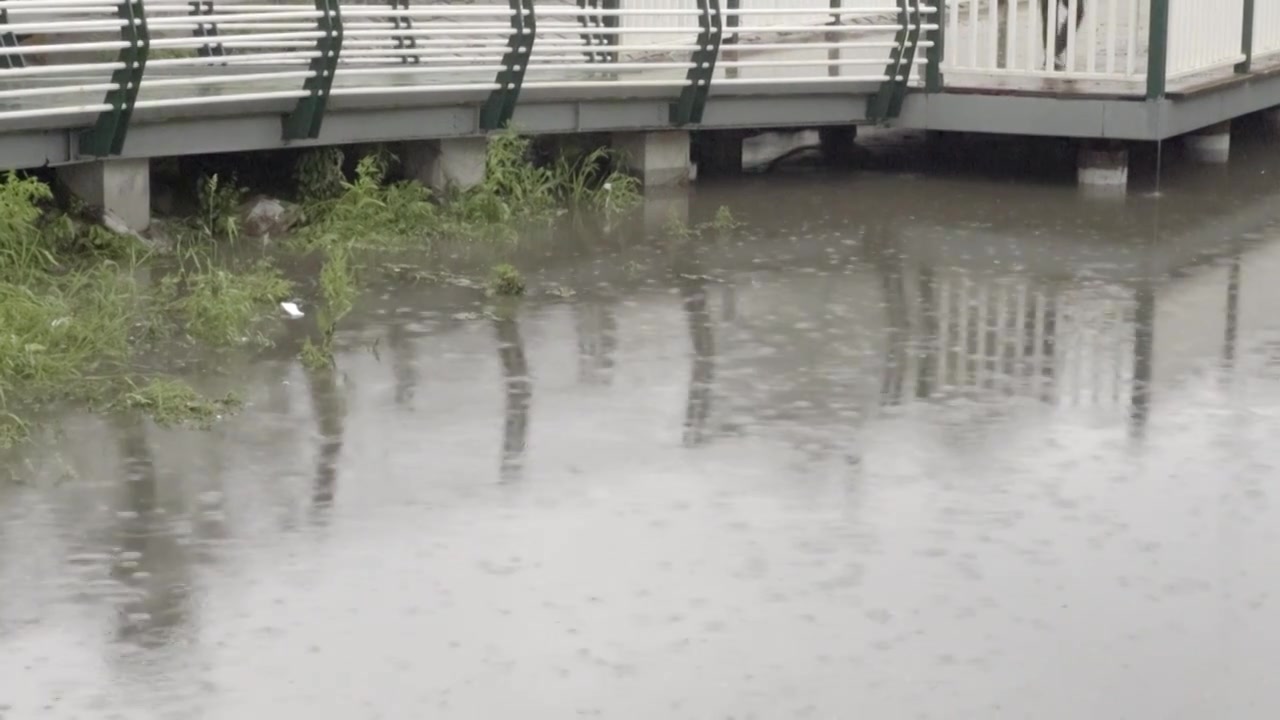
121	187
659	158
1103	167
1211	145
442	164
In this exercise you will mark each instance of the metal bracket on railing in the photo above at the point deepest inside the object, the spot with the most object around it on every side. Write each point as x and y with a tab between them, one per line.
106	137
9	40
594	40
305	120
404	42
501	105
693	98
887	102
204	8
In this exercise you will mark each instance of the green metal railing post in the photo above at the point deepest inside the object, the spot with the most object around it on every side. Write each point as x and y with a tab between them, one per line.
308	115
1246	38
404	42
693	98
9	40
501	105
887	102
203	8
107	135
933	81
1158	50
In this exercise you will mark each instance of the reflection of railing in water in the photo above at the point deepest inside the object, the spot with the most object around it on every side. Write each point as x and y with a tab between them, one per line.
953	333
519	393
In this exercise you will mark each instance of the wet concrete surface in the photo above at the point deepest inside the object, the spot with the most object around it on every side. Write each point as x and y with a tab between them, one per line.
968	445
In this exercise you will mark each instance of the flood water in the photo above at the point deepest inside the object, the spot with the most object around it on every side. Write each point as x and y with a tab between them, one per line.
959	445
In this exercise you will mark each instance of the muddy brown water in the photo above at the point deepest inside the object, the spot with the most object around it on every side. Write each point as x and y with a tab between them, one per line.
904	446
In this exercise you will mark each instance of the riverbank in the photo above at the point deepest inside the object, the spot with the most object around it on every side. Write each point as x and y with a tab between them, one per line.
106	319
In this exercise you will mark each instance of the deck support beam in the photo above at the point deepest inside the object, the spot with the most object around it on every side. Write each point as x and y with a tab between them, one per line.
659	158
444	164
1211	145
121	187
1103	166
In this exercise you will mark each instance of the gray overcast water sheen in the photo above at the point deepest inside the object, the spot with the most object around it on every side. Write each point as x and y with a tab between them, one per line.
955	446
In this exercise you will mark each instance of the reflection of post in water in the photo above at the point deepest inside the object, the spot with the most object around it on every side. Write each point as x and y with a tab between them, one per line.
597	326
702	333
1231	335
1143	358
519	392
930	346
889	262
330	409
151	563
403	368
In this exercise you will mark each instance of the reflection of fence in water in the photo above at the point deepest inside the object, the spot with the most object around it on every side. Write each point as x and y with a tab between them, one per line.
1016	336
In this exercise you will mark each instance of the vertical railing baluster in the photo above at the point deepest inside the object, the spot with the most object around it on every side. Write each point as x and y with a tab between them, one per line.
307	116
107	135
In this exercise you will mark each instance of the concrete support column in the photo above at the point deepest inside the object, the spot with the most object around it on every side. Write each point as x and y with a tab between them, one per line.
1211	145
444	164
719	152
120	187
657	158
839	144
1103	167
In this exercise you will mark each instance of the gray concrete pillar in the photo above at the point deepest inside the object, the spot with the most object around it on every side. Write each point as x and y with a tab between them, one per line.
1211	145
719	152
1103	167
444	164
839	144
658	158
120	187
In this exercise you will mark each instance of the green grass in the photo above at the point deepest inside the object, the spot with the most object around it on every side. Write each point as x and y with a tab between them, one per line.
506	280
171	403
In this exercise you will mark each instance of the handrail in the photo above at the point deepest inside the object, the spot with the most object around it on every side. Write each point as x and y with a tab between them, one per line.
501	105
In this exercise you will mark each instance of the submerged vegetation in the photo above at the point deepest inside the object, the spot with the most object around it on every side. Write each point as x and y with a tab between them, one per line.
85	312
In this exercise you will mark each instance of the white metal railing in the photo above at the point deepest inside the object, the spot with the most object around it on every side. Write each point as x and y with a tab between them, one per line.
1204	35
233	51
1011	38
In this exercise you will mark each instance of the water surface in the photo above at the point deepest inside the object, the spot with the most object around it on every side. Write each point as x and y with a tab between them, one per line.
902	447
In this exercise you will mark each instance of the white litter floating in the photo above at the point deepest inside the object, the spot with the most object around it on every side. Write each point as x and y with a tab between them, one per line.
292	309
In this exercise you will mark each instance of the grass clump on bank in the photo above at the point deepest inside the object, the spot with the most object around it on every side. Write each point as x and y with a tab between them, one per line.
171	403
